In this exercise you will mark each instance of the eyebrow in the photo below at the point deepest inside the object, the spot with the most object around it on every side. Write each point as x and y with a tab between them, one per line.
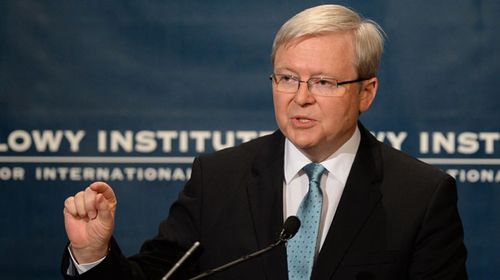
285	69
294	73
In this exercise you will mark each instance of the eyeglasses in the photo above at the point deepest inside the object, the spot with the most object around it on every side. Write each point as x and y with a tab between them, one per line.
317	86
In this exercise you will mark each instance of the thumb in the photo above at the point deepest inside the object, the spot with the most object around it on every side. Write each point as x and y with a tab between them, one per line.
105	209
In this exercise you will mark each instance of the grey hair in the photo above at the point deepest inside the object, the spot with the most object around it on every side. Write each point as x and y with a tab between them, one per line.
324	19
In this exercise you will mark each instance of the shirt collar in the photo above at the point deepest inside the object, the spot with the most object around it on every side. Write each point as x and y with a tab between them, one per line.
338	164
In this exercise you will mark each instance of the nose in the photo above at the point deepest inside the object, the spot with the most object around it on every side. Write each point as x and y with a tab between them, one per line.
303	95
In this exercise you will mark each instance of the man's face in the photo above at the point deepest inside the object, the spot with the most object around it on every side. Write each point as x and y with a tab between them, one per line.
319	125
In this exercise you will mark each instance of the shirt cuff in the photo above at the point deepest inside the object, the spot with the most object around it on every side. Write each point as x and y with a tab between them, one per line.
80	268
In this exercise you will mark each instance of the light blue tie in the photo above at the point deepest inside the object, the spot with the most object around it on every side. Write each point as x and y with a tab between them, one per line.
302	248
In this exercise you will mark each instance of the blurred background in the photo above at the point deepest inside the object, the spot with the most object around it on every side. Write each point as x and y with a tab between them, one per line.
130	91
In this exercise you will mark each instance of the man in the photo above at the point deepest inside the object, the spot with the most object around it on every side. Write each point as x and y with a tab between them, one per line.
369	212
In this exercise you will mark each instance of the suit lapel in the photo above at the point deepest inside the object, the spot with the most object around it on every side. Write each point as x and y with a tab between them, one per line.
360	197
265	194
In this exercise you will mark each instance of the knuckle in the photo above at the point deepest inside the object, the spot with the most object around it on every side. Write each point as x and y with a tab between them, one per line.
79	194
70	200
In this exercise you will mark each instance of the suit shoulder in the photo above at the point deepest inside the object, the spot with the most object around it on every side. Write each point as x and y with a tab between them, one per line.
402	164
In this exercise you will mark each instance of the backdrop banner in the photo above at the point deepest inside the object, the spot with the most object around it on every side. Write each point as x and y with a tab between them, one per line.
129	92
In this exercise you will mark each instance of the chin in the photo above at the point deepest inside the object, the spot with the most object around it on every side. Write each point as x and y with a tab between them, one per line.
302	143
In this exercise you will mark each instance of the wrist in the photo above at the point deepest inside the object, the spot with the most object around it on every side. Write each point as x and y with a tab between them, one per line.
88	255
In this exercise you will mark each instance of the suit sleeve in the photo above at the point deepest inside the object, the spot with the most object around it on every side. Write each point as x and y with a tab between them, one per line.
439	249
176	234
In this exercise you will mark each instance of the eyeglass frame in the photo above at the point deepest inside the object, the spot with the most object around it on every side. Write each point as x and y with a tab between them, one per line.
273	77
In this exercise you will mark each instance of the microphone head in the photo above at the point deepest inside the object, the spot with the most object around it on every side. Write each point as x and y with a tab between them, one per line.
290	228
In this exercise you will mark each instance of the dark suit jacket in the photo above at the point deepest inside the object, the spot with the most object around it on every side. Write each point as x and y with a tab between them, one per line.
397	219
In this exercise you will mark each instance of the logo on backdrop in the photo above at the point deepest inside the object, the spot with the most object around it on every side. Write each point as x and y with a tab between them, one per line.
110	155
470	157
166	155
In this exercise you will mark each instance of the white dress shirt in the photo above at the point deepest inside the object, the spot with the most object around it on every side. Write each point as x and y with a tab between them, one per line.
296	184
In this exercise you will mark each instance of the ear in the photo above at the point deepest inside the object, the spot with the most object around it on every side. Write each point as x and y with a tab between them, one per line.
367	94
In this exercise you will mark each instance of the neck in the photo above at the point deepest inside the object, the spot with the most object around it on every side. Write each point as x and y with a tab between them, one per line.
321	153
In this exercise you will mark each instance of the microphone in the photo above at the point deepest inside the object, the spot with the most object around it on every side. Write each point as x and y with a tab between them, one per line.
290	228
181	261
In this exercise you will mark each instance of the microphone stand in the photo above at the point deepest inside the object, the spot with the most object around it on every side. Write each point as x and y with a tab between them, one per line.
181	261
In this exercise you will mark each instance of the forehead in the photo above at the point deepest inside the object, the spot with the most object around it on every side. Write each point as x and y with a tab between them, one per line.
331	53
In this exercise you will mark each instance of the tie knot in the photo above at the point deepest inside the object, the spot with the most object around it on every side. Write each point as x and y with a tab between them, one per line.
314	171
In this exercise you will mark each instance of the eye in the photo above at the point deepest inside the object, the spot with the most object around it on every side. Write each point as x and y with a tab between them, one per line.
286	78
325	83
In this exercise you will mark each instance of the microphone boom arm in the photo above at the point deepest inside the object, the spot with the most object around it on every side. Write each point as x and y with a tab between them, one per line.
290	228
240	260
